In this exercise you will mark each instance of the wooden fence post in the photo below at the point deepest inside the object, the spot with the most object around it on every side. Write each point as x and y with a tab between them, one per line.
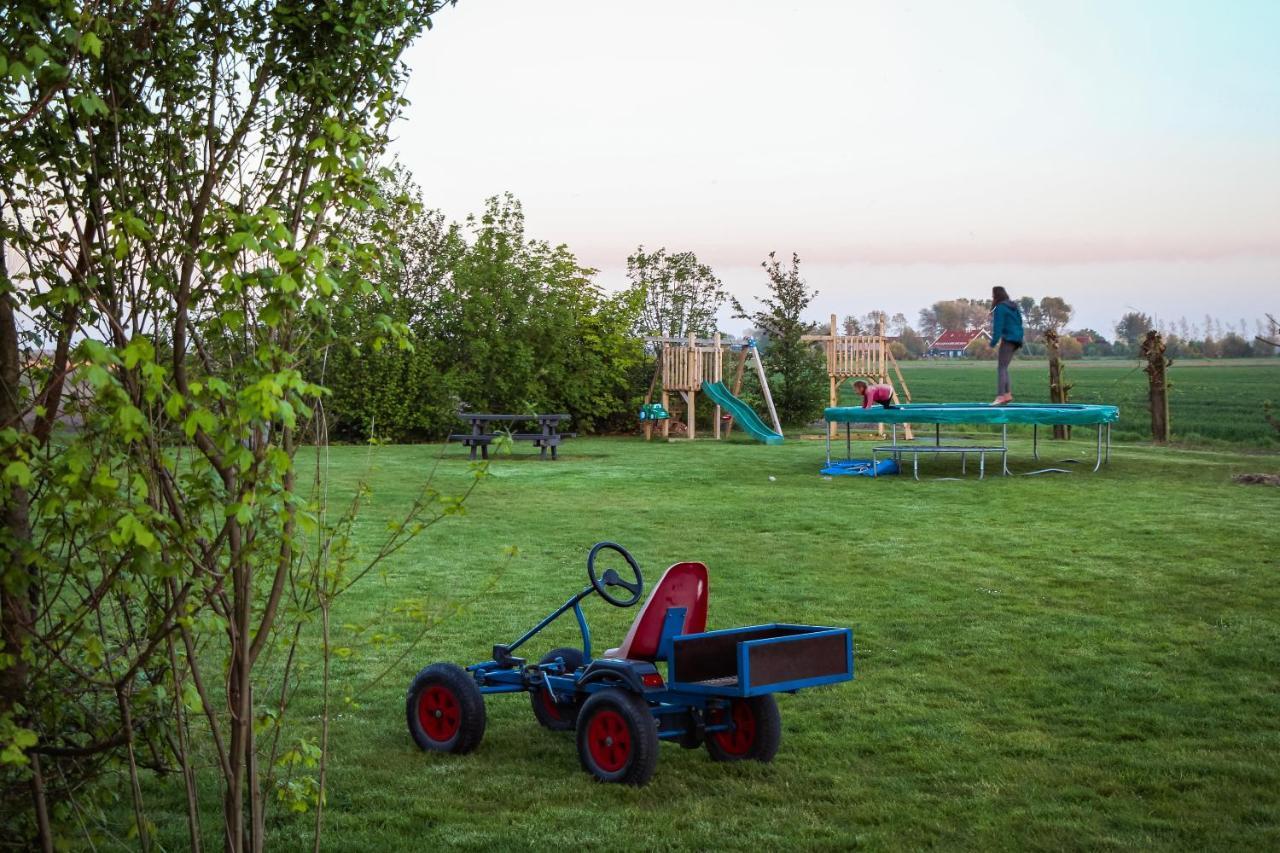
1158	378
1058	391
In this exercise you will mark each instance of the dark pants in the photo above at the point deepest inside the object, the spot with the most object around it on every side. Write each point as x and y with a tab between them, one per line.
1003	357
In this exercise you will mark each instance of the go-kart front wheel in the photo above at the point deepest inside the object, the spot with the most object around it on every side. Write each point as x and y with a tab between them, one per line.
617	737
755	733
558	712
445	710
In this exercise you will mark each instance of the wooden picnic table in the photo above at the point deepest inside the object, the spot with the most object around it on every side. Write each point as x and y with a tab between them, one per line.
482	435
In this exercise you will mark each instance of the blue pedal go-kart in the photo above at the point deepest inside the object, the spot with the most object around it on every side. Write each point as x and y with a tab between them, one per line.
717	689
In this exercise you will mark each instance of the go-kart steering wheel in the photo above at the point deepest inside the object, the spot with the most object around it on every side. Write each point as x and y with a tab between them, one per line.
611	578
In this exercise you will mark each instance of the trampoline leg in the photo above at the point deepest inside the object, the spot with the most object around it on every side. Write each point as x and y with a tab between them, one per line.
828	431
982	465
848	441
1108	444
1035	442
1098	464
915	465
1004	450
963	471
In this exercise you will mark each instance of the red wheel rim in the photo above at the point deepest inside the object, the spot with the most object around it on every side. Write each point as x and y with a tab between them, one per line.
739	739
439	713
609	740
550	706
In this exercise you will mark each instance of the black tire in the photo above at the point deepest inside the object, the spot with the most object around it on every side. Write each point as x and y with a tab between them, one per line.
445	710
756	732
617	737
561	715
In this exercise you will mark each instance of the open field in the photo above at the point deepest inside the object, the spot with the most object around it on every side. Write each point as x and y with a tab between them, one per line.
1083	662
1210	401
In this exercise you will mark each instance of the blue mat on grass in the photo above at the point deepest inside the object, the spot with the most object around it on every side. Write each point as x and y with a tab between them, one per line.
860	468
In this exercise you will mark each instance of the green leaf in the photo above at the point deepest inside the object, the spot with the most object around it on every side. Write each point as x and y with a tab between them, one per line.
91	44
199	419
138	349
18	473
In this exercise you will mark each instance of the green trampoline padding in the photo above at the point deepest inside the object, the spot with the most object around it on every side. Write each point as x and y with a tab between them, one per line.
1063	414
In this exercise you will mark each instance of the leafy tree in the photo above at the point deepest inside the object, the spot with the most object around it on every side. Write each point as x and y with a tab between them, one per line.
1133	327
867	324
526	329
954	315
980	348
1054	312
1070	348
172	183
915	345
495	320
1235	346
798	390
404	391
680	294
1092	334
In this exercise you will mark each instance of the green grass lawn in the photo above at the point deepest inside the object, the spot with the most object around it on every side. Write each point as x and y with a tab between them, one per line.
1081	662
1210	401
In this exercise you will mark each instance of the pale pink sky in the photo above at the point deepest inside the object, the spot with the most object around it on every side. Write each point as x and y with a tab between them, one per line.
1114	154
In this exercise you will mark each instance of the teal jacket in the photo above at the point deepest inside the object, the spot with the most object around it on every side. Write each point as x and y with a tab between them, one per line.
1006	323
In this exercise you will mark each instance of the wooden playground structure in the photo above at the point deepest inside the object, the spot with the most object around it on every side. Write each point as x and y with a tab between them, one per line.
684	364
865	357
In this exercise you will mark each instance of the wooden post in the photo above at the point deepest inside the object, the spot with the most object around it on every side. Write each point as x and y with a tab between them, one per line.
737	383
764	387
693	415
716	368
1058	390
648	397
666	404
693	360
1158	380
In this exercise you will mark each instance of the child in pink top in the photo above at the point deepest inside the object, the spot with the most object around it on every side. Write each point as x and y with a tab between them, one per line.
878	393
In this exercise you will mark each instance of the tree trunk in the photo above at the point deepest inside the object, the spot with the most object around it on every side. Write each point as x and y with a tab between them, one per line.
17	597
1158	380
16	611
1059	391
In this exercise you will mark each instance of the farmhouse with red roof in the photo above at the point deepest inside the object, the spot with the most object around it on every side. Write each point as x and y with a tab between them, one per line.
953	344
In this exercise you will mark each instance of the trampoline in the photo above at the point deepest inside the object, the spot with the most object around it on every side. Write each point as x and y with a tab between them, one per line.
1033	414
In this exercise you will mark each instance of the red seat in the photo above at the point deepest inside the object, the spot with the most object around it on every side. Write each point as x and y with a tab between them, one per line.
682	585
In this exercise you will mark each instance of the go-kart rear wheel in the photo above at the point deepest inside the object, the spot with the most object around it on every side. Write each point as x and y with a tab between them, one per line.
558	712
445	710
617	737
755	734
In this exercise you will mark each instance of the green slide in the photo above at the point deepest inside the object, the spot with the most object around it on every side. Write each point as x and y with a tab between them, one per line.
743	415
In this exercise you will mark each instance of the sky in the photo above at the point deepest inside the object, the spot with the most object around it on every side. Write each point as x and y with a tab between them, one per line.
1122	155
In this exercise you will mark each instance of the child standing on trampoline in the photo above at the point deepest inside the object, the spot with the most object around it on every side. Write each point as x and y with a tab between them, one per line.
1006	338
878	393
